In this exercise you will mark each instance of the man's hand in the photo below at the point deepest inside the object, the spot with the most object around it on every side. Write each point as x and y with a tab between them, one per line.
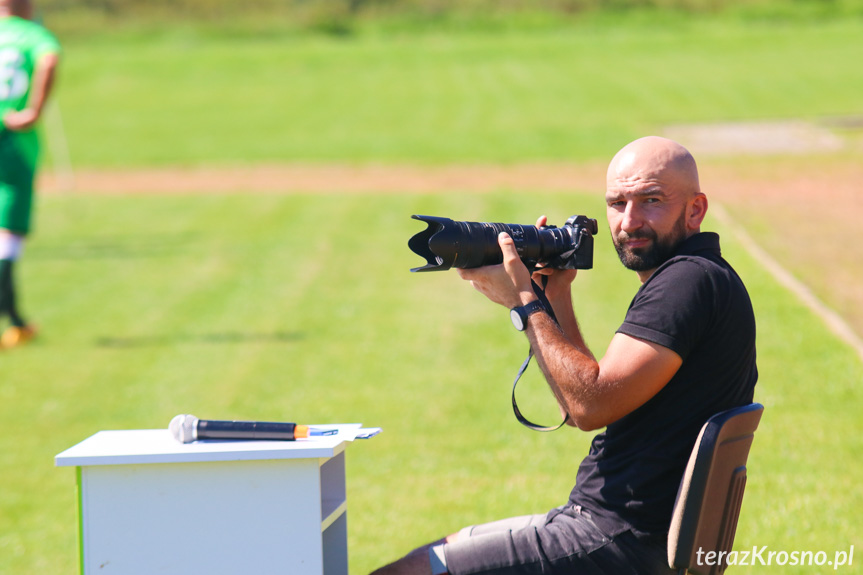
559	281
507	284
20	120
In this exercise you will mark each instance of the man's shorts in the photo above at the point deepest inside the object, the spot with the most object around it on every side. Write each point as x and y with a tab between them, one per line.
565	541
16	186
15	208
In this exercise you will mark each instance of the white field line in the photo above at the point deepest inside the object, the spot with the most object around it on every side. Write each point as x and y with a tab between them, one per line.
832	319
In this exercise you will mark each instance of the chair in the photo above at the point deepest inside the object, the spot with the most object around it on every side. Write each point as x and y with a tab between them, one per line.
711	493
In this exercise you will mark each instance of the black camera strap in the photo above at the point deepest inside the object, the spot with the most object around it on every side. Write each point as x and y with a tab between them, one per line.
540	293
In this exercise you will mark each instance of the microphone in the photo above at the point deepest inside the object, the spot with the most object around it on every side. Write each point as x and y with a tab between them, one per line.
188	428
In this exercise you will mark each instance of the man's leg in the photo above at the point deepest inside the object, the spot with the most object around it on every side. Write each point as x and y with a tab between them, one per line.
10	249
564	541
16	205
417	562
430	560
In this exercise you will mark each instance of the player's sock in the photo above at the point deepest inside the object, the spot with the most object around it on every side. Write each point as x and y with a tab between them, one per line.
7	293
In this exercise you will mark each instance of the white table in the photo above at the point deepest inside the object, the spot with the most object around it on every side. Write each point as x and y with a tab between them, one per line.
148	504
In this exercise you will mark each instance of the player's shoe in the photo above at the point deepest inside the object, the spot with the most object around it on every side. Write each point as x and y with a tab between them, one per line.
15	336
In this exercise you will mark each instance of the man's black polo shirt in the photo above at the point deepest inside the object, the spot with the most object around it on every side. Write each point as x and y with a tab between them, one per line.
697	306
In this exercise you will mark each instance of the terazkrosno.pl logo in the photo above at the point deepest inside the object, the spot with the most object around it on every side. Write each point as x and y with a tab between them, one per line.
767	557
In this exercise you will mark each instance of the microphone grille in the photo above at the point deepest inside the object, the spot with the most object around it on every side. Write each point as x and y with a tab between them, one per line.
184	428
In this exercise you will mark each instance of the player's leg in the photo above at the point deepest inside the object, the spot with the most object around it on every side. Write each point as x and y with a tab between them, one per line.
19	332
16	205
10	249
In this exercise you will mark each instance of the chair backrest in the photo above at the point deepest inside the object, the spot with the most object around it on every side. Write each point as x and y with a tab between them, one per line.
711	493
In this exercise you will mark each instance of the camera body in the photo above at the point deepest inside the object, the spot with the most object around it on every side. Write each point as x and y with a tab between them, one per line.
446	244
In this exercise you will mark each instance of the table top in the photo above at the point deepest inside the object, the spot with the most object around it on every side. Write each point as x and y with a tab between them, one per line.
159	446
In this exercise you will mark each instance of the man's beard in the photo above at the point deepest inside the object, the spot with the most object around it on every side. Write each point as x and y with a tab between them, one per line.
653	255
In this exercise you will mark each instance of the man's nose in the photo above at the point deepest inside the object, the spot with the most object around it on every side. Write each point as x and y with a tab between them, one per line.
631	218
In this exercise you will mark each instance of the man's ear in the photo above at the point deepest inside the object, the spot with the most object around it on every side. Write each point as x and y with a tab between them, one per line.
696	211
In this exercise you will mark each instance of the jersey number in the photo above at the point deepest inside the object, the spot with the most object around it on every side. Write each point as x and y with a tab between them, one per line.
13	79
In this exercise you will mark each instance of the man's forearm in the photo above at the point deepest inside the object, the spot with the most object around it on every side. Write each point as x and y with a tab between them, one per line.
565	315
568	365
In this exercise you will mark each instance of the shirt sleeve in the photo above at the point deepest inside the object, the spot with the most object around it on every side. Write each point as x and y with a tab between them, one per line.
45	43
673	308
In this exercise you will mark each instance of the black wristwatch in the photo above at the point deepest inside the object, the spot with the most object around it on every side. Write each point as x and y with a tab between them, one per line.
519	315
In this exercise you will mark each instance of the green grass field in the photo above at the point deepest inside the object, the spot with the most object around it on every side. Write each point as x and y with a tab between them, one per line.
181	97
301	307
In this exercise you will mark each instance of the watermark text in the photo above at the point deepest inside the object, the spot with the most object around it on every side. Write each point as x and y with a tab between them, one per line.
766	557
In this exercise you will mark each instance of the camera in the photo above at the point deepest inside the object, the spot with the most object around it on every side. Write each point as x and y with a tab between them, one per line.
446	244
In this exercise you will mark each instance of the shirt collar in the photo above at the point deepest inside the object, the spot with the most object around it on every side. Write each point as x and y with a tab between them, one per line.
701	244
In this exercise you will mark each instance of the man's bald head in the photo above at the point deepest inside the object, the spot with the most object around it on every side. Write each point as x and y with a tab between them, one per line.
654	201
655	158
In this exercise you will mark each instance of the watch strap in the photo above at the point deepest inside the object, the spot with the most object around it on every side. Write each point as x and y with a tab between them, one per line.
530	308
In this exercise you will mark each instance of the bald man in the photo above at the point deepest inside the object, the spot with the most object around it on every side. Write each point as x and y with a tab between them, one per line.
685	351
28	59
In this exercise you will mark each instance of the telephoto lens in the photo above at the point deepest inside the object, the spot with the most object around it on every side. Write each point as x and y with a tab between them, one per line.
446	244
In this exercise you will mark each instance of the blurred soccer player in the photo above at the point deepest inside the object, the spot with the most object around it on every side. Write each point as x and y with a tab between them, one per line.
28	59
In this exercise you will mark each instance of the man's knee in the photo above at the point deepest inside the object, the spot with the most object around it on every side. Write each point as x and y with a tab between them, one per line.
417	562
10	245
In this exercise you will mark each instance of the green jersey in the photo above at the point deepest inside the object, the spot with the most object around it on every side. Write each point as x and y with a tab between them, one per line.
22	44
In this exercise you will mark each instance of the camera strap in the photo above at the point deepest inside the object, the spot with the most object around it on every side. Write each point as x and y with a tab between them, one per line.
540	293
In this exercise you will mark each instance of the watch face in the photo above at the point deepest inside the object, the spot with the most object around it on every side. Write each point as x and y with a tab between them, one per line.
517	321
